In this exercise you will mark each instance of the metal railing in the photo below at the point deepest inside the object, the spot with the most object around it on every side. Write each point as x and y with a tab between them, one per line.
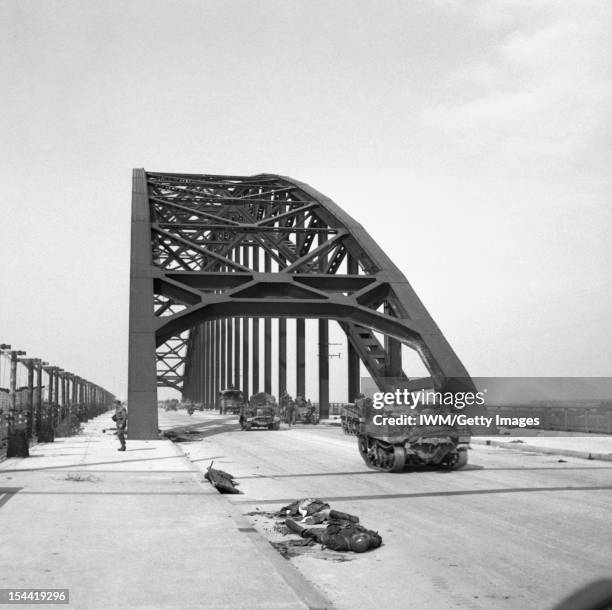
39	402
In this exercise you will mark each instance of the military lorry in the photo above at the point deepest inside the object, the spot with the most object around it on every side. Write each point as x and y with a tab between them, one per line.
391	447
261	411
230	401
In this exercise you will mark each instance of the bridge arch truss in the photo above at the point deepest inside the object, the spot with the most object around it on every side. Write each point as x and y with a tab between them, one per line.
212	253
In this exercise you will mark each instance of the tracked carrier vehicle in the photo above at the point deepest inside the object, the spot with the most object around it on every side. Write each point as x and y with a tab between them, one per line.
391	447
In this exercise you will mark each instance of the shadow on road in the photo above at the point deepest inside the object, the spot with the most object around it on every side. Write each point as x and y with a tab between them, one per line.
435	494
199	431
81	465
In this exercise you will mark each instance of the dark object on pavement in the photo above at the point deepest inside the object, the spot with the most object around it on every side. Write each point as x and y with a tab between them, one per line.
17	444
221	480
46	433
177	437
594	596
339	532
344	536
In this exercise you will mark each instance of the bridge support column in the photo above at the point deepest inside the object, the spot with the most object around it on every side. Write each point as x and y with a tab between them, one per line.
223	354
245	341
255	352
217	359
323	369
245	359
237	383
353	373
282	356
209	359
230	344
142	369
255	355
268	338
202	349
282	352
300	361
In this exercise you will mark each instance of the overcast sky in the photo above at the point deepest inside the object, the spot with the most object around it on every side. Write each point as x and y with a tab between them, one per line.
472	139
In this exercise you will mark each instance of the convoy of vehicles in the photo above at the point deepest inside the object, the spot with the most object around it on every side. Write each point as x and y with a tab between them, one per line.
384	446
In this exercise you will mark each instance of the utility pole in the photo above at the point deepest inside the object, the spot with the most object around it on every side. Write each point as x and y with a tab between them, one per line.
38	363
47	432
17	439
29	363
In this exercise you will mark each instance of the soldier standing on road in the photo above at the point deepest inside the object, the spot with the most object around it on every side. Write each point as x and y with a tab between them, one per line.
120	419
290	411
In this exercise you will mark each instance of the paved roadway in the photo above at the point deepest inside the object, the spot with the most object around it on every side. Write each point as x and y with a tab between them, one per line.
512	530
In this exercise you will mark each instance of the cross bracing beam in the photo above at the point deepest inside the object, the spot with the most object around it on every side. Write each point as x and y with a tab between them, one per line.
207	248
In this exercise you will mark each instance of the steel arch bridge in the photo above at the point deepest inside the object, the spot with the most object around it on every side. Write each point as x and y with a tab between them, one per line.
212	253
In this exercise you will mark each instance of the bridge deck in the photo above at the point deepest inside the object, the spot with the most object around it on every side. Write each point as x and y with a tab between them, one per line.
133	530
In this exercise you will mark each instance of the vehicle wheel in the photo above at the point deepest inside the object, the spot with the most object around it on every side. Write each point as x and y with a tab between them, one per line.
458	459
390	458
247	426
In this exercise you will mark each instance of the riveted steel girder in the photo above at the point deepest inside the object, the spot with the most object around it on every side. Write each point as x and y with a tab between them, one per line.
199	243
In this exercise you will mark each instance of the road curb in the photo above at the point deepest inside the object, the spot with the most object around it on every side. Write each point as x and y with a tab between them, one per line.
310	596
585	455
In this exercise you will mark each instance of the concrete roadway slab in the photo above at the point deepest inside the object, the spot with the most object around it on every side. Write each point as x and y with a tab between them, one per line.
513	530
133	529
589	446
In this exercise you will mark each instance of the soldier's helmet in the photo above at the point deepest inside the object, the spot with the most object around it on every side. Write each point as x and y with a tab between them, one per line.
359	542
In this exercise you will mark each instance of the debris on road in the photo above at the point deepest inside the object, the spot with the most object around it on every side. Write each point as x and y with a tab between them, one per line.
221	480
80	477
